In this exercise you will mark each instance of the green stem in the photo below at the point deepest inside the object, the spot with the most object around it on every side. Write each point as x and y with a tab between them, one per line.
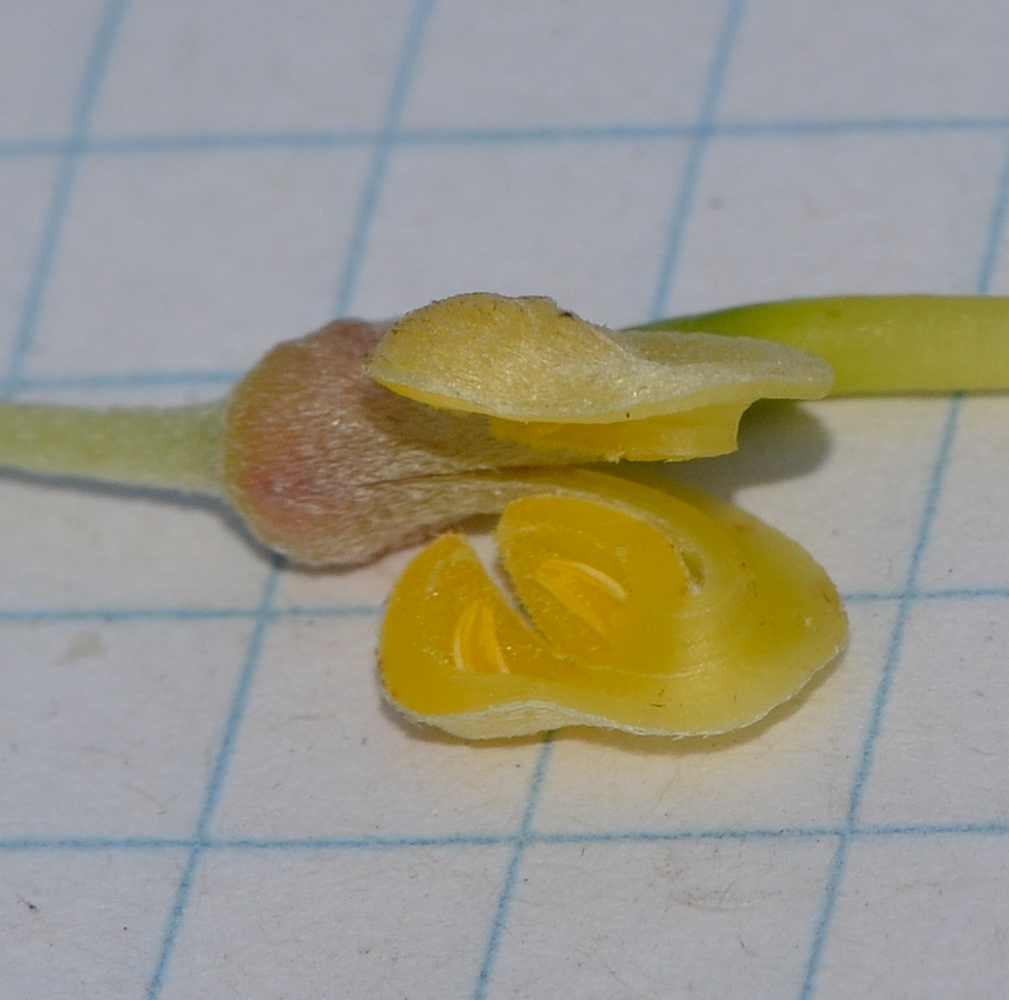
177	448
883	343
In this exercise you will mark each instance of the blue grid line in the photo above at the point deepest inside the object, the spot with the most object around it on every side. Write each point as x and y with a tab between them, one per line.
123	615
17	148
706	115
131	380
881	699
215	787
688	185
119	614
938	594
522	841
94	76
90	844
712	93
405	68
401	81
97	146
225	142
530	836
995	235
858	126
996	232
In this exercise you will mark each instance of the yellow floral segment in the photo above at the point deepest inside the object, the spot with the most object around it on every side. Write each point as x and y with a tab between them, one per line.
661	612
553	381
702	431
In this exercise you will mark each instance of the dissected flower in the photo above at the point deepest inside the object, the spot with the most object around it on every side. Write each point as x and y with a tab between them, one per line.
329	467
655	611
644	609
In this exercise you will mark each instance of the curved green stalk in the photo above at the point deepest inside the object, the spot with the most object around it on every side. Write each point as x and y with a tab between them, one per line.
175	448
881	343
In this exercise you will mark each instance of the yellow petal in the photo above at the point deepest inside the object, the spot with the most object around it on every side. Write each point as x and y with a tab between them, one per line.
542	371
702	431
656	612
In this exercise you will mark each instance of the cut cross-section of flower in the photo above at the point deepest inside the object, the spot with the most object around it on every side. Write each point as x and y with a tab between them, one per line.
551	380
655	611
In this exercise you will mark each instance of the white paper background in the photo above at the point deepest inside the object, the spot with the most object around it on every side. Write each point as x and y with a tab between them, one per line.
201	794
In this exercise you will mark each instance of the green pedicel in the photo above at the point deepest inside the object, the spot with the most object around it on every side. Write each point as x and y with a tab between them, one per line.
881	344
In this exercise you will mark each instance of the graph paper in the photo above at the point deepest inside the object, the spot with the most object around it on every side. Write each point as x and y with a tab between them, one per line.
201	792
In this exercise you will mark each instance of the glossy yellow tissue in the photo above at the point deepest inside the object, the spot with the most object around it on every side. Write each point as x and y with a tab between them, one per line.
553	381
654	611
